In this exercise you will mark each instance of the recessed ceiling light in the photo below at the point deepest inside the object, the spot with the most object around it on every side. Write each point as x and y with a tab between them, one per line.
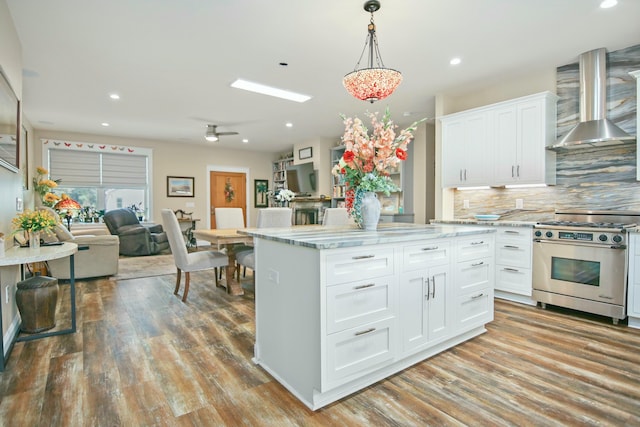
114	96
268	90
606	4
455	61
105	124
245	140
289	124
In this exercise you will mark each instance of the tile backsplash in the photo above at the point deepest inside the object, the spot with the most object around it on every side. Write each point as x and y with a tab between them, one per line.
596	178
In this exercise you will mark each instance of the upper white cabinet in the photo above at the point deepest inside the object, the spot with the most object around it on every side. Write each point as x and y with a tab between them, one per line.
522	130
508	148
466	149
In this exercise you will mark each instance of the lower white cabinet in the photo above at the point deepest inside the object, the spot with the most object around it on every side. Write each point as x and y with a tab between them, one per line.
330	322
513	260
633	299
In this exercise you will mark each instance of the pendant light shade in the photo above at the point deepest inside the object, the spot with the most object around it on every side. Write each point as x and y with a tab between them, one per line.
374	82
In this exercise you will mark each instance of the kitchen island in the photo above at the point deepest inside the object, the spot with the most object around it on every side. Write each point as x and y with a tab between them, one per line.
339	308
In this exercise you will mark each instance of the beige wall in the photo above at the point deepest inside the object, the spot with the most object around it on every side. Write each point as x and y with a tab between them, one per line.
10	182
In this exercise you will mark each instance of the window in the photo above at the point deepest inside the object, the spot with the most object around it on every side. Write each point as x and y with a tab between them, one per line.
103	180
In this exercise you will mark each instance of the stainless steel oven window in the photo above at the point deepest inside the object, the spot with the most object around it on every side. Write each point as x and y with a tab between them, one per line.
576	271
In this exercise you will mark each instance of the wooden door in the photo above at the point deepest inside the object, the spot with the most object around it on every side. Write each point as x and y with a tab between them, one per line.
228	190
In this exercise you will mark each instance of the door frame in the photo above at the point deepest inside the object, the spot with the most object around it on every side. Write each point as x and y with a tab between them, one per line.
237	169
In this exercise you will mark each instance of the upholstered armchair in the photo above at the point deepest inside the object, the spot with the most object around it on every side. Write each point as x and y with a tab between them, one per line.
135	239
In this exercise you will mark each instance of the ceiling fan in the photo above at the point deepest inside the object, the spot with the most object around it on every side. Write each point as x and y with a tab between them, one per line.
212	135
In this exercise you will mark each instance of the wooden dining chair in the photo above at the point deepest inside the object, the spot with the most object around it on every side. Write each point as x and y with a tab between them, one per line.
189	261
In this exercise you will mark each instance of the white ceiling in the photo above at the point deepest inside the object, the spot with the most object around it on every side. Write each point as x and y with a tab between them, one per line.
172	61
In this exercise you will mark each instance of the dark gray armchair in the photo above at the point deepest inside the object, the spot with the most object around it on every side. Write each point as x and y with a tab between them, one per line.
135	239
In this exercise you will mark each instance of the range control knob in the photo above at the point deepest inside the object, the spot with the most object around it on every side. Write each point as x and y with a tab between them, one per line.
549	234
538	233
617	238
602	237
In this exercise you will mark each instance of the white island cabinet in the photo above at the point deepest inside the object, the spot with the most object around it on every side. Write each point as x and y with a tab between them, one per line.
339	308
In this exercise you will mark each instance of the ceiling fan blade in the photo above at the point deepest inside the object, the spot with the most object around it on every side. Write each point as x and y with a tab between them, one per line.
226	133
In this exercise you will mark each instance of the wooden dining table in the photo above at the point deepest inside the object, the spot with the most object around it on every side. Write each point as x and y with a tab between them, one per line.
227	238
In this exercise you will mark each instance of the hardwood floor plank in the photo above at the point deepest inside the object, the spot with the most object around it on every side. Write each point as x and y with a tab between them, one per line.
142	357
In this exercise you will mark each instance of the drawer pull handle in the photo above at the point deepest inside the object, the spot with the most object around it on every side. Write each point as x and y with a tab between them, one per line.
370	285
477	243
511	232
365	332
432	248
511	247
477	264
511	269
477	296
363	257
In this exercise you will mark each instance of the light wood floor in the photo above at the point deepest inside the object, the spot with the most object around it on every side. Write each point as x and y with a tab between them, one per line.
143	358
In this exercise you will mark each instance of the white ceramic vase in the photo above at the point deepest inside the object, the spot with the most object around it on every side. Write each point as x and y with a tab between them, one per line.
370	211
34	239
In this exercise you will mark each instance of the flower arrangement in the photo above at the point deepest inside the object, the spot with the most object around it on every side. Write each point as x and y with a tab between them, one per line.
43	186
34	221
282	195
368	159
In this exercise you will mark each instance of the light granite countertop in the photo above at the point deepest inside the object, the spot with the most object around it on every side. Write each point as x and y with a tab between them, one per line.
323	237
503	223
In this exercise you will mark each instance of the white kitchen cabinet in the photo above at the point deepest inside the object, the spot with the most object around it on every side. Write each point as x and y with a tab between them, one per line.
467	155
513	262
473	278
500	144
426	280
522	129
633	296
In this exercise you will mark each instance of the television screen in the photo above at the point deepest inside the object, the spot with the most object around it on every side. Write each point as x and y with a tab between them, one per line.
301	179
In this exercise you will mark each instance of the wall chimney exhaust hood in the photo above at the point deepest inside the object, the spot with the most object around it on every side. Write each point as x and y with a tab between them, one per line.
594	129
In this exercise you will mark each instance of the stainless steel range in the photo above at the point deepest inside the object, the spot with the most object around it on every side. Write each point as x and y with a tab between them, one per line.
580	261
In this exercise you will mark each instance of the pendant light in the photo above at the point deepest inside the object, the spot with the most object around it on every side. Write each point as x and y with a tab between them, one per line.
374	82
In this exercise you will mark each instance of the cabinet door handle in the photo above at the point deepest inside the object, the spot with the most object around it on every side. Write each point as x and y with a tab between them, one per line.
518	171
369	285
431	248
477	264
477	296
512	171
511	247
365	332
433	280
515	270
460	174
481	242
363	257
465	174
428	289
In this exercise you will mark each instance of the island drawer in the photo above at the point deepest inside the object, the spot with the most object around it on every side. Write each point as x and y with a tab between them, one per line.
474	309
480	246
473	275
425	255
357	303
517	255
361	264
353	352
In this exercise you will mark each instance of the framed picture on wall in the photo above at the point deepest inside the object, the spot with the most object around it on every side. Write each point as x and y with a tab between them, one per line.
305	153
9	126
260	191
180	186
24	157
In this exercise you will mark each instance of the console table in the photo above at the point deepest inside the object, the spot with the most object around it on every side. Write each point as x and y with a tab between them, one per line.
20	256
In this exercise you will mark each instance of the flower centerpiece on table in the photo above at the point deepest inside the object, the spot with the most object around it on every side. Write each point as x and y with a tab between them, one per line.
368	159
283	195
43	186
34	223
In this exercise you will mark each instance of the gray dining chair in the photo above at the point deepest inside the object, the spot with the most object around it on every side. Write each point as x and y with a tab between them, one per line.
185	261
336	216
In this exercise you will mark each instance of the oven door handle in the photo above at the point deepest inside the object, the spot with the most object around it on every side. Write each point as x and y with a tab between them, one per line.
577	243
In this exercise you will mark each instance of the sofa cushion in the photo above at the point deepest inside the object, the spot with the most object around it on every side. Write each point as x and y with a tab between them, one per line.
61	233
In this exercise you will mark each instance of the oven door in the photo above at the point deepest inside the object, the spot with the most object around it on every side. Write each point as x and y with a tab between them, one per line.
587	271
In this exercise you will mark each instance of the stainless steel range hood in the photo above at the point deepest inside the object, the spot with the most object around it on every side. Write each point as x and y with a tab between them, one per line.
594	129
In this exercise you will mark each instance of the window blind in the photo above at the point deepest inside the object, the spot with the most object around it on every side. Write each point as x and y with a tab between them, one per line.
74	168
120	170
